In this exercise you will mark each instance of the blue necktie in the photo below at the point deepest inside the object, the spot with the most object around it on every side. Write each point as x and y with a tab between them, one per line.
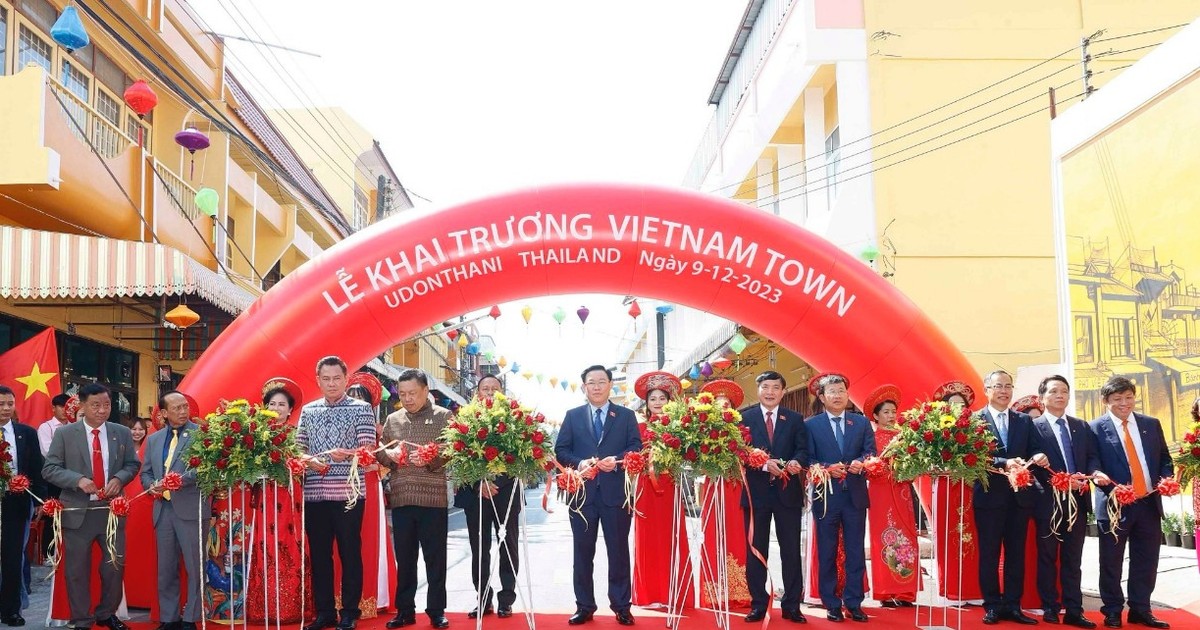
1065	435
1002	428
597	425
838	435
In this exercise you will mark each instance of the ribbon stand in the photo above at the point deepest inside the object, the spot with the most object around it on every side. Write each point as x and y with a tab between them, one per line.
680	568
941	512
712	514
524	595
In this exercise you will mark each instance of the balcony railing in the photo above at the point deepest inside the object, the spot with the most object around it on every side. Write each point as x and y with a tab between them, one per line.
181	195
1187	347
1183	300
88	125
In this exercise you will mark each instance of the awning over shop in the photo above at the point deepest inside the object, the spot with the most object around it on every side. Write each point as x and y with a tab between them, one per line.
1189	373
393	371
41	265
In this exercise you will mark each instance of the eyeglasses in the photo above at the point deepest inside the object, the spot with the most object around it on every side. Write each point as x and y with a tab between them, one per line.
1004	386
597	383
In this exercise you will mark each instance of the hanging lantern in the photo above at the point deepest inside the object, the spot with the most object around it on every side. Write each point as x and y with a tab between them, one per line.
526	312
141	99
559	315
495	312
207	200
68	30
473	348
663	309
181	317
516	367
503	363
385	395
721	363
463	341
694	372
706	369
869	253
738	343
553	381
539	378
527	374
490	356
635	311
684	383
193	140
574	387
452	334
563	384
583	313
616	390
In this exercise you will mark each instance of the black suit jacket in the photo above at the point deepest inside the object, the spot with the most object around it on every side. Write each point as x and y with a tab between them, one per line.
1114	463
1084	454
790	443
1022	442
576	442
29	463
859	440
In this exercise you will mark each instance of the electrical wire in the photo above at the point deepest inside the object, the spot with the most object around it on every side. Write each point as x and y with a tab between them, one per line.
85	230
1154	30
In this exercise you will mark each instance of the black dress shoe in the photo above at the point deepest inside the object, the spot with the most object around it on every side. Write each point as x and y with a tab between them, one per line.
1050	617
991	618
835	615
756	614
112	623
888	603
580	617
347	623
625	618
794	616
1021	618
166	625
504	612
1147	619
1079	621
13	620
474	614
399	621
1112	621
857	614
439	621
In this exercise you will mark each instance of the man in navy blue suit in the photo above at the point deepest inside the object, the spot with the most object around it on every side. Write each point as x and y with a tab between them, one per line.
1070	447
780	432
1002	515
597	435
841	441
1133	451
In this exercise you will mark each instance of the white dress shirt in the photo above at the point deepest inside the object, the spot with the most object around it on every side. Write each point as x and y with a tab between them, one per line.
1062	448
46	434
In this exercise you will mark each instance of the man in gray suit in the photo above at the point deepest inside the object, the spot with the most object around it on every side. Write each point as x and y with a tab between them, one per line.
92	461
177	515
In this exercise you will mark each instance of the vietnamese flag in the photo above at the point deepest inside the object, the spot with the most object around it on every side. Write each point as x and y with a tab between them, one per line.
31	370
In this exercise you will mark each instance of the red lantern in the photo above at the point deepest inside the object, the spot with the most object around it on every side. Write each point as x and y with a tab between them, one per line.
495	312
635	310
721	363
452	333
141	99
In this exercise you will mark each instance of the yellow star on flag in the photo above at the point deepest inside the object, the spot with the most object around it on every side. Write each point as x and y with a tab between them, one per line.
36	381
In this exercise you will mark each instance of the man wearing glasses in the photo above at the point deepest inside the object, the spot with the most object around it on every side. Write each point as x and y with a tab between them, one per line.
1002	515
595	436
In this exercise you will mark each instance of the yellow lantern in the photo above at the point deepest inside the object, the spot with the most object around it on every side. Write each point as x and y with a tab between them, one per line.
527	312
684	383
503	363
181	317
462	341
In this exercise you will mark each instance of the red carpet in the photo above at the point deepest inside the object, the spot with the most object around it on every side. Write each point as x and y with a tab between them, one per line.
880	618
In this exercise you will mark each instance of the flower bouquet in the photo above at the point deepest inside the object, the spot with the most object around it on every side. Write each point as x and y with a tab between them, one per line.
942	439
699	435
1187	455
240	443
493	437
6	469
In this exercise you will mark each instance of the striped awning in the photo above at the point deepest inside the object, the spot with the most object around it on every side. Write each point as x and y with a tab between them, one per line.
42	265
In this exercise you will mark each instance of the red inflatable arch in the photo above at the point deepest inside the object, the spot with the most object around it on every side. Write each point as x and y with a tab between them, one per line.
391	280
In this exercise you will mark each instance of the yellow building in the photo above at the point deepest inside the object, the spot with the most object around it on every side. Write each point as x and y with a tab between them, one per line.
101	235
916	134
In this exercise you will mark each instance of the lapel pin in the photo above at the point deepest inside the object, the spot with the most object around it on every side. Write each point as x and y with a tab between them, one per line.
184	434
612	414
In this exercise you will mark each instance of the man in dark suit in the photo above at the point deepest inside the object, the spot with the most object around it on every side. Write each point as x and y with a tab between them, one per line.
597	435
781	433
499	507
841	441
177	515
25	457
1002	515
1133	451
1070	447
92	461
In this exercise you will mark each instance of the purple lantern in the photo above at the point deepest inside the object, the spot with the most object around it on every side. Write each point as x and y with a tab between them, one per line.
193	140
706	369
583	313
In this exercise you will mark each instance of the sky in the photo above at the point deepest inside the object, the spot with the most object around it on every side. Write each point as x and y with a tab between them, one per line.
470	99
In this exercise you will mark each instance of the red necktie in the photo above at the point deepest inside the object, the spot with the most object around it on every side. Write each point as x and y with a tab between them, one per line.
97	461
770	428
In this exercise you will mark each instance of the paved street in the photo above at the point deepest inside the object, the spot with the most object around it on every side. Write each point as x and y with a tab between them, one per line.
547	564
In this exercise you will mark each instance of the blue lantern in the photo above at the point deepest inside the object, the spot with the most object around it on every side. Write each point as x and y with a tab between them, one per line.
68	30
515	369
663	309
695	372
473	348
564	385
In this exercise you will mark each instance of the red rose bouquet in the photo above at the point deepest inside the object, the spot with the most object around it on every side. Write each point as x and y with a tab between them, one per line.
240	443
699	434
1187	455
493	437
941	439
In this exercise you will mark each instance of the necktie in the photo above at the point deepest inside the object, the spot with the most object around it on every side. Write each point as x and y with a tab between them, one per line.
838	434
770	427
1068	449
170	458
1135	464
598	425
97	461
1002	427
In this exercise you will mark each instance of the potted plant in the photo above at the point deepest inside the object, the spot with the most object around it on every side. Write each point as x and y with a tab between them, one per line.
1170	528
1093	529
1189	531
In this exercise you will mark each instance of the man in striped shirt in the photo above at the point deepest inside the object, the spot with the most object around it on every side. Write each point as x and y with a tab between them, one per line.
330	430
